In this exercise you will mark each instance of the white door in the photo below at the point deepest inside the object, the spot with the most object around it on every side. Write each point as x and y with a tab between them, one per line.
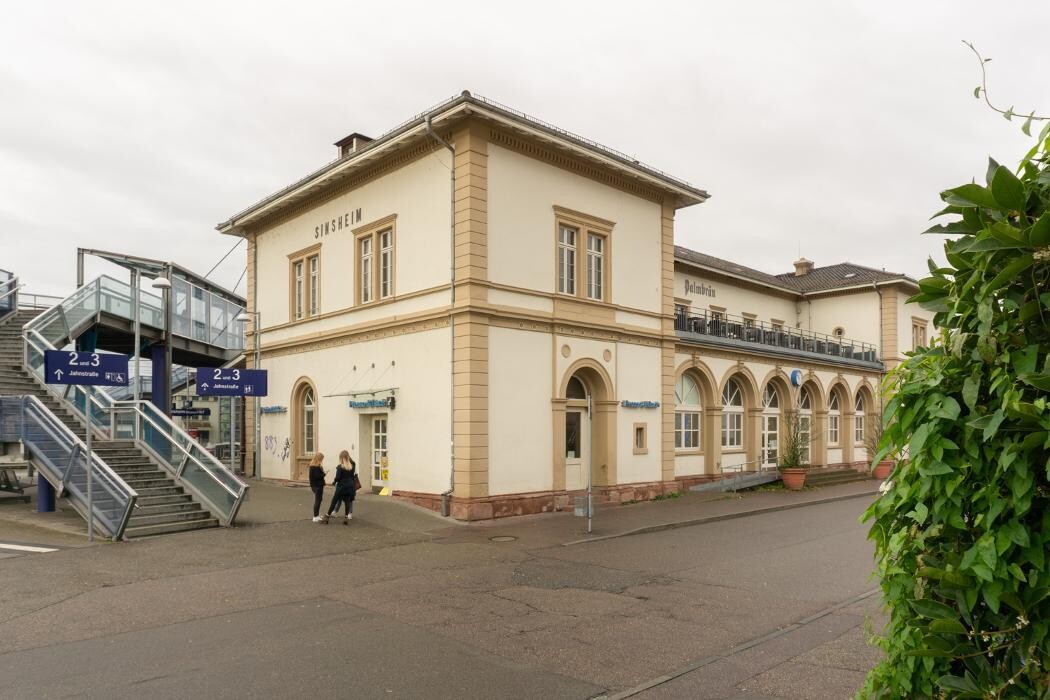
770	429
380	468
577	448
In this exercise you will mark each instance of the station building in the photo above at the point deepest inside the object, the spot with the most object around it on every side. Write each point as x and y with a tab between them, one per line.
482	307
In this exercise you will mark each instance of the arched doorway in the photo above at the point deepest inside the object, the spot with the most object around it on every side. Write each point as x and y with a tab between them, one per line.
584	428
577	434
304	428
770	425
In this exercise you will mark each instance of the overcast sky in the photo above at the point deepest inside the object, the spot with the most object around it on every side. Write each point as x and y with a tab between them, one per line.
826	127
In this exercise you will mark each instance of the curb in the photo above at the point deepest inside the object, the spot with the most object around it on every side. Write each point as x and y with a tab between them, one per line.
717	518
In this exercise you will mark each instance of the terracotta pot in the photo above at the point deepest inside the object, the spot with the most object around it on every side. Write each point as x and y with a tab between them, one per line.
882	470
794	478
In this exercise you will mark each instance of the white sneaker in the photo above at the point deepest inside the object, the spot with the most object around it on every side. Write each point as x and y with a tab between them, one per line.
317	518
350	516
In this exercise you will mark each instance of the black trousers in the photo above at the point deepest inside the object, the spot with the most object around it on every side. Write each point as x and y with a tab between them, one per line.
318	493
342	495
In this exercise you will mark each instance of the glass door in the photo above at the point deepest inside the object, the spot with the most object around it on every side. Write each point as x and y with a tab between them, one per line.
770	433
577	457
380	468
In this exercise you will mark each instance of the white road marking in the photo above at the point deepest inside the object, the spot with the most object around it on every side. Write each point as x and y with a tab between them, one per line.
26	548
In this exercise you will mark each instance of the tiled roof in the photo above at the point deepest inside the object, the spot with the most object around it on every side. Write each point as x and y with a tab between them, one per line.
820	279
840	275
732	268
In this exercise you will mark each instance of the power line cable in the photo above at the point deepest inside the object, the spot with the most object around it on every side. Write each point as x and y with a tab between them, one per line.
223	258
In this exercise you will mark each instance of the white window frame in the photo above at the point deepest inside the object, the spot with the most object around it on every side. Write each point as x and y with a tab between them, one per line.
386	263
300	287
732	415
314	264
365	256
687	414
595	266
568	236
833	419
858	421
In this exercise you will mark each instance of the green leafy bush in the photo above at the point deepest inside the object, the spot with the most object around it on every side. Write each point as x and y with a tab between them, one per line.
963	533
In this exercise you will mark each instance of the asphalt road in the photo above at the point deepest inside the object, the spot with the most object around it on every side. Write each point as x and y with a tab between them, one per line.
763	606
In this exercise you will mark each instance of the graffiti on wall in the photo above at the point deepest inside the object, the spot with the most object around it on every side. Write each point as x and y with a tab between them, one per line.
276	447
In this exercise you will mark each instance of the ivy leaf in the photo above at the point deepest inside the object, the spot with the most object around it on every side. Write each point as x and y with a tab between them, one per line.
920	513
977	92
947	627
1027	126
1040	380
1007	190
1008	114
993	424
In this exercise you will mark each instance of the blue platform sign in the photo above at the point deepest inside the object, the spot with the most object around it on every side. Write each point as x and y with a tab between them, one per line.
217	381
89	368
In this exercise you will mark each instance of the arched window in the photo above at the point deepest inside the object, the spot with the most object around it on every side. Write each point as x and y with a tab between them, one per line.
732	415
307	420
805	421
858	420
833	417
575	389
687	413
770	398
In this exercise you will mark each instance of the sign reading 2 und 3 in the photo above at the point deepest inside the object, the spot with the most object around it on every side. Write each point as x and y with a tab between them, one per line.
338	223
216	381
90	368
640	404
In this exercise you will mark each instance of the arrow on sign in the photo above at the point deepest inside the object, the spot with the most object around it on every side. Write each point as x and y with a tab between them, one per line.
204	386
58	373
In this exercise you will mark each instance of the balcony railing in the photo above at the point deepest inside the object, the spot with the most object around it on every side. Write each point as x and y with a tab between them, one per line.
725	329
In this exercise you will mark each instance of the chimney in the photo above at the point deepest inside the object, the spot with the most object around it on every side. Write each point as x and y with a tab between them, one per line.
803	267
351	144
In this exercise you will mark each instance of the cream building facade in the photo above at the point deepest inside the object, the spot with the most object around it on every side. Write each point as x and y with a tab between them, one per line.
483	309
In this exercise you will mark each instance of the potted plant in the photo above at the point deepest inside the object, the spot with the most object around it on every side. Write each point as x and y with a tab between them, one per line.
791	464
872	438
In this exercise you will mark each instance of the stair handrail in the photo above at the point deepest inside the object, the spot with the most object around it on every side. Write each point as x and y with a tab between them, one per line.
97	402
33	413
193	455
9	288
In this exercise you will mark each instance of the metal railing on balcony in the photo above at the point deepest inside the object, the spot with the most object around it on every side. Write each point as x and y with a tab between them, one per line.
737	330
61	457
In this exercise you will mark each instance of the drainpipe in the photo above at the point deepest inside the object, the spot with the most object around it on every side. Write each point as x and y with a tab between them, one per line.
882	347
446	496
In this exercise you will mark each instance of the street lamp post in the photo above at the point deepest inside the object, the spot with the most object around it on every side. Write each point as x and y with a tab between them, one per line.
244	317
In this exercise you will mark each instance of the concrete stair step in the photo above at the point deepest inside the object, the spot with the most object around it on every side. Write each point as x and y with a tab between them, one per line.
170	490
156	509
147	482
168	528
145	501
165	518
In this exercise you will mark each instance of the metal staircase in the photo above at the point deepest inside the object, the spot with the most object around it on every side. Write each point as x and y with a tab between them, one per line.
167	481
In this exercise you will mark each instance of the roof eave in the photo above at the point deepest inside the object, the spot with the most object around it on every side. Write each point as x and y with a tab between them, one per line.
684	194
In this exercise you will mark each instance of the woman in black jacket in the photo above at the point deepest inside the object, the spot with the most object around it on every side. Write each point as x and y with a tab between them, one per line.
317	474
345	487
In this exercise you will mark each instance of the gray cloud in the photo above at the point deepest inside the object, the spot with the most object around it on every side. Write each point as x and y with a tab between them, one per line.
825	127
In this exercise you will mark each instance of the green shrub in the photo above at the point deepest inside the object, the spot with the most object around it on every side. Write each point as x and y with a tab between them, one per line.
963	533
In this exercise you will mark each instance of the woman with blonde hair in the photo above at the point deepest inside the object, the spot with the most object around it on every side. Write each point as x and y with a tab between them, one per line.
317	474
345	487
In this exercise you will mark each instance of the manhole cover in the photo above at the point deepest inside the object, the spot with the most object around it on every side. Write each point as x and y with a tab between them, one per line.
503	538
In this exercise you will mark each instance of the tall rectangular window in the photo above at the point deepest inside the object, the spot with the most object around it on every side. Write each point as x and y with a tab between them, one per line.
858	428
833	430
386	263
300	289
376	258
365	267
918	334
567	260
315	269
304	283
595	265
584	255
